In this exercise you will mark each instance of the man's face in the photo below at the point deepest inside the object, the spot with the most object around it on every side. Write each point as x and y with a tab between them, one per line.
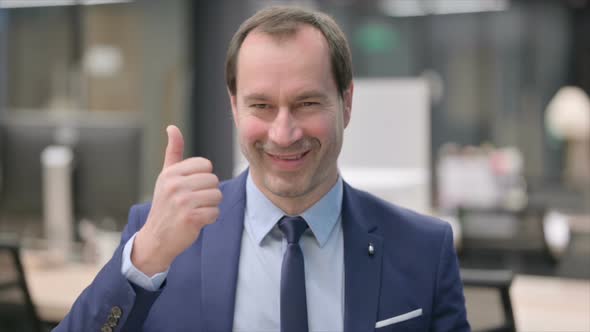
288	113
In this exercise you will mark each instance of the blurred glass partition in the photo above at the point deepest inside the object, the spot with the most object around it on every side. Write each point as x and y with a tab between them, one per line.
63	55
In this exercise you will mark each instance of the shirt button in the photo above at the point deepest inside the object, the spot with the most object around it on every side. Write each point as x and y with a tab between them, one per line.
116	312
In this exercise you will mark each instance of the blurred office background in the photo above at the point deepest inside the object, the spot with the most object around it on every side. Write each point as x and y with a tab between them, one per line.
476	111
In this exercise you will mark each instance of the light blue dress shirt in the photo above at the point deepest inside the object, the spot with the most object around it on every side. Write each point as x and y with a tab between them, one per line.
257	306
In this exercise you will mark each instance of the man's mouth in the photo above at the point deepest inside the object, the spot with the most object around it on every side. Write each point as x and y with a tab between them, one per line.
289	157
288	162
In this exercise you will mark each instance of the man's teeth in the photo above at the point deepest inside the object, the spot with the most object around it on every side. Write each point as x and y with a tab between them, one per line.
290	157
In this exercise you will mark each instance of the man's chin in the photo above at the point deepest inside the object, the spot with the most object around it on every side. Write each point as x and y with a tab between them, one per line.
287	188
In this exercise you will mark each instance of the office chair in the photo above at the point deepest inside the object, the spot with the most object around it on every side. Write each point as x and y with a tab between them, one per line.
487	297
17	311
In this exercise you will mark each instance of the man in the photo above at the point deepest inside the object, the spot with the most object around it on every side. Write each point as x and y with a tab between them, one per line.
287	245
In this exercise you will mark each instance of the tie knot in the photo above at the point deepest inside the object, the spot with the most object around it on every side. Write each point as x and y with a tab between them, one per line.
292	228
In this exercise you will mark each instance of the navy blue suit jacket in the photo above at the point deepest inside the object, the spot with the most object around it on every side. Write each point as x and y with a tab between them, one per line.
414	266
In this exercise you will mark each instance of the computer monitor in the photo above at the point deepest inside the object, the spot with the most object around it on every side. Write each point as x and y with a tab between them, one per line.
21	141
107	164
107	169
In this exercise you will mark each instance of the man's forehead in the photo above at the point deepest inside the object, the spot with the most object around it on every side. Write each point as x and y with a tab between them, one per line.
278	34
299	62
281	36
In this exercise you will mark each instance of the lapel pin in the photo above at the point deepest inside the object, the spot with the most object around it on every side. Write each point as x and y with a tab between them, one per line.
371	249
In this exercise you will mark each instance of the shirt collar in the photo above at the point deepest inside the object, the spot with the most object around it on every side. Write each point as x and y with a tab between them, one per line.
262	215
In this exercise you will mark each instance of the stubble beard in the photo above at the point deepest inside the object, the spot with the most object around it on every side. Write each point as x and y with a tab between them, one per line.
286	184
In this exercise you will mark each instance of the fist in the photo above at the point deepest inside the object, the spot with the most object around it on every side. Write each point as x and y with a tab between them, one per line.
186	198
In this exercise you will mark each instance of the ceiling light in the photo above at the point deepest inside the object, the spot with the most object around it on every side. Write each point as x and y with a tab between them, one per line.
53	3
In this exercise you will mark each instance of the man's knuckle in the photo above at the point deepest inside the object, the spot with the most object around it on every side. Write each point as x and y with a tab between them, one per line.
169	187
175	201
180	200
207	165
213	213
187	217
186	200
212	180
217	196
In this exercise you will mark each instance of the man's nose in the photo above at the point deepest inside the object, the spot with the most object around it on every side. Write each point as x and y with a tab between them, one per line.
284	129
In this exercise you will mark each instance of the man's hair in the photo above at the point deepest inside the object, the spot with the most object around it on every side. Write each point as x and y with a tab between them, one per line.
283	22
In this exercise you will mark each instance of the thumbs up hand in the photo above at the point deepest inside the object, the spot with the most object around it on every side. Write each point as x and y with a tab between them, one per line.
186	198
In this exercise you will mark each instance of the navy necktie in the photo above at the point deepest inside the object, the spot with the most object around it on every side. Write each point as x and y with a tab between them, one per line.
293	299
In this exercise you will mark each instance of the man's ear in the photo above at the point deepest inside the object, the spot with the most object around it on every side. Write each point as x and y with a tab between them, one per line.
347	99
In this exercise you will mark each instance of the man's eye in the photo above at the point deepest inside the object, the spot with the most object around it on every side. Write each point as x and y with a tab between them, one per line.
260	106
309	103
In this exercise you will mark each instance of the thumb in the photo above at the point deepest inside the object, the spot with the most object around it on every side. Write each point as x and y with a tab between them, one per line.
175	146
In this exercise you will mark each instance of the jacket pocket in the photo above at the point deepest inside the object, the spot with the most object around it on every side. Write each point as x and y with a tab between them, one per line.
399	319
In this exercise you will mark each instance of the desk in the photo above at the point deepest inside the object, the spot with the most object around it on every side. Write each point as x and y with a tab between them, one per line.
55	288
546	304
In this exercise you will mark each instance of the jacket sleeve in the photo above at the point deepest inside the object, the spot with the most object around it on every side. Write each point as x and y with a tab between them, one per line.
449	313
111	300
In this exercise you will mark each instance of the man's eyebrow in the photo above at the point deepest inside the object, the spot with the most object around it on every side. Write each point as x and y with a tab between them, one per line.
302	96
255	97
311	95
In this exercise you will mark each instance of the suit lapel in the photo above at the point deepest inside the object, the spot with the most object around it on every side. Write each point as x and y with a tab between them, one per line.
220	258
362	271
